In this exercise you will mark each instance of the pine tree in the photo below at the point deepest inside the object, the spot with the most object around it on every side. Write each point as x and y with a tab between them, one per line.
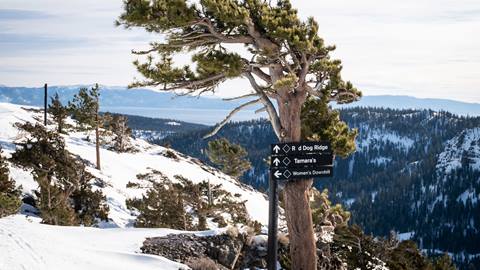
286	54
229	157
85	109
161	207
122	133
58	112
9	201
64	196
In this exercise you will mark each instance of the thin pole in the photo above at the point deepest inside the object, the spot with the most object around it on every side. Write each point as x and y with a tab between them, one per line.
45	105
272	246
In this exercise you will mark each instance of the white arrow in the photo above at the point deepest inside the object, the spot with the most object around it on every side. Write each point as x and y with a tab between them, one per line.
277	174
276	148
276	161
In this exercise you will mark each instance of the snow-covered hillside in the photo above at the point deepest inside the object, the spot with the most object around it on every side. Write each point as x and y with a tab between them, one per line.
26	244
464	147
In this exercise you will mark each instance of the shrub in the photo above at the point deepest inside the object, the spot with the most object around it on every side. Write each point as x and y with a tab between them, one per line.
9	201
65	195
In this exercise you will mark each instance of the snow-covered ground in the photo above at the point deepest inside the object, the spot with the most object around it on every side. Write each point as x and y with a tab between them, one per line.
26	244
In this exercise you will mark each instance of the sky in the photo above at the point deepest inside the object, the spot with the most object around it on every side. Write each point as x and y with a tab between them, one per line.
421	48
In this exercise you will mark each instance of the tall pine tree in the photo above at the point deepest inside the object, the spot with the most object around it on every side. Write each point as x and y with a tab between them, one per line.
85	109
288	63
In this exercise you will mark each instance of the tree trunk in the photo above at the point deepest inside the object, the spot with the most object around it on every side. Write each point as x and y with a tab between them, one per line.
297	204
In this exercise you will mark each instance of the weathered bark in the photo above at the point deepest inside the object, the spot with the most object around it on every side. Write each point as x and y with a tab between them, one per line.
297	206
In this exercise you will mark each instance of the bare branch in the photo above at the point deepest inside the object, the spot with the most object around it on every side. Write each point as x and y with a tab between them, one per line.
262	75
229	116
272	112
240	97
263	109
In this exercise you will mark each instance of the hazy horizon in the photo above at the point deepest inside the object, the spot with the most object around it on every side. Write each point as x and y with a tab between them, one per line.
425	49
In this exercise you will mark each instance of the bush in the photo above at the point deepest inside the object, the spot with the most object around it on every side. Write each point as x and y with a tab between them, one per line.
177	205
9	201
65	195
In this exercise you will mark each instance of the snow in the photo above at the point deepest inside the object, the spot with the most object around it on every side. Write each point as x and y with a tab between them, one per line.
349	202
173	123
26	244
464	146
380	161
371	139
469	194
120	168
405	236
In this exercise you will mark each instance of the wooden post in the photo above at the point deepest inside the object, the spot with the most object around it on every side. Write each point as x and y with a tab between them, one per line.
272	244
45	101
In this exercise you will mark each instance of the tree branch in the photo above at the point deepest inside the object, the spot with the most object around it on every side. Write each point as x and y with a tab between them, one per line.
240	97
272	112
226	39
225	121
262	75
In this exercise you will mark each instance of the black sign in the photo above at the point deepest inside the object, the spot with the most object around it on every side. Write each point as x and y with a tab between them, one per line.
283	149
296	161
301	173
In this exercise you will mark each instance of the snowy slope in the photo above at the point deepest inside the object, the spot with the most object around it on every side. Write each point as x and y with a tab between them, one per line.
463	147
120	168
26	244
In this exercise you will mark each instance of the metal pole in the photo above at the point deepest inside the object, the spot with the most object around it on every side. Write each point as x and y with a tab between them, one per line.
45	103
272	247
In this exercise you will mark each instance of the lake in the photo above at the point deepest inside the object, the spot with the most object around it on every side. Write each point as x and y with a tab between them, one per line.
200	116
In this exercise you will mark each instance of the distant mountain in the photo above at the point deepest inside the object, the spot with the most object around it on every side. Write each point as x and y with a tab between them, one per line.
115	96
407	102
207	110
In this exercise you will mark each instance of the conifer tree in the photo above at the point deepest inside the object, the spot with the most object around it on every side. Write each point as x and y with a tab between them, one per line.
64	196
58	112
122	133
9	201
161	207
229	157
288	63
85	109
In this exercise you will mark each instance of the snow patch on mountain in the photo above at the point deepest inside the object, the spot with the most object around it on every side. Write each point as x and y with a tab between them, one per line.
370	139
463	148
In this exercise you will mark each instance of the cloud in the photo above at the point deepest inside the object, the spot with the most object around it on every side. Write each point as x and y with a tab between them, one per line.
425	48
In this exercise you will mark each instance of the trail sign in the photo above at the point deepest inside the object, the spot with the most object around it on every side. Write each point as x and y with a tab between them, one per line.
281	149
291	161
302	173
301	160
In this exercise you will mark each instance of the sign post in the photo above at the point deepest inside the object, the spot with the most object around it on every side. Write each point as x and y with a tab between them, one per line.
291	161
